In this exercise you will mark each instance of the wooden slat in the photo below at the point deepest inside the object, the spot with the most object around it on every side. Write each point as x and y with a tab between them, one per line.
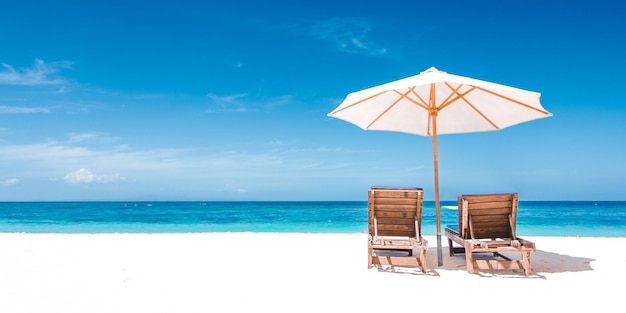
395	227
506	231
397	233
387	230
395	218
396	260
483	209
395	203
395	208
498	264
490	204
489	197
503	249
396	214
392	230
402	200
485	227
489	218
396	193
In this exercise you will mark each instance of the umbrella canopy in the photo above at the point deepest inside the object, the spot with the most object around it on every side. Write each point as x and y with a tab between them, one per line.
435	102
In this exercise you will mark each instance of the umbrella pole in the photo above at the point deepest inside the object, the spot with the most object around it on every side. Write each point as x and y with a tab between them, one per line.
433	116
437	203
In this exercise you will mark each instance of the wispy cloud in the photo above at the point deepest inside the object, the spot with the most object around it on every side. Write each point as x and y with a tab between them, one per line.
4	109
10	182
276	142
41	73
277	101
242	103
348	35
230	103
231	189
90	137
234	63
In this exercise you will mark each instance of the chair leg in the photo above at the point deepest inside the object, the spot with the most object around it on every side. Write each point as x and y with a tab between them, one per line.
526	262
450	248
469	261
423	260
369	257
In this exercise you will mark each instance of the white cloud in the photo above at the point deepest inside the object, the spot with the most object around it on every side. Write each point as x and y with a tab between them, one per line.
21	110
114	178
90	137
47	151
83	175
41	73
80	176
10	182
80	137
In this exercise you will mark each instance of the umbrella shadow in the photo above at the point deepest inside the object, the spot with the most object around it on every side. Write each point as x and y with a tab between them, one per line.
550	262
542	262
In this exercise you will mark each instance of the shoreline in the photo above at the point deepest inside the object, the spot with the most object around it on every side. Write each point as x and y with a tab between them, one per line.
287	272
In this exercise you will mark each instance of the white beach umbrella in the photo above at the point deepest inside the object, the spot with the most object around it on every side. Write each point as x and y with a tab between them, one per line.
434	103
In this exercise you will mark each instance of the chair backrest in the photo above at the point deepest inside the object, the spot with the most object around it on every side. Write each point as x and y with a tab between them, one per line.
492	215
395	211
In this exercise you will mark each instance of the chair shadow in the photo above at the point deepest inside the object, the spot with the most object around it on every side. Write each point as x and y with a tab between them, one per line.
550	262
542	262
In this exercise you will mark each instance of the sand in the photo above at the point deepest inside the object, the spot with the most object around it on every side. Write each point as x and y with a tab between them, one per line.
280	272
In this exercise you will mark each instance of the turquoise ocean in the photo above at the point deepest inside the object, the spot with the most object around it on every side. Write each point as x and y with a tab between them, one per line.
535	218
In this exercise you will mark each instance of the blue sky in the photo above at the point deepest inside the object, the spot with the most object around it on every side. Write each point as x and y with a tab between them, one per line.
227	100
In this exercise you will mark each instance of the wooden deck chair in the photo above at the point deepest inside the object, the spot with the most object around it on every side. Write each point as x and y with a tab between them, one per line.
395	225
487	225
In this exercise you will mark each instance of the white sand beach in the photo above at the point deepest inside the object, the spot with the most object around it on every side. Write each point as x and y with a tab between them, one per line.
284	272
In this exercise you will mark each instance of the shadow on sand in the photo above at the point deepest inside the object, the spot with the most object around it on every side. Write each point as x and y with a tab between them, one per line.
542	262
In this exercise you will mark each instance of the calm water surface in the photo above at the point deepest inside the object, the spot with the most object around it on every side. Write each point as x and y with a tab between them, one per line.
535	218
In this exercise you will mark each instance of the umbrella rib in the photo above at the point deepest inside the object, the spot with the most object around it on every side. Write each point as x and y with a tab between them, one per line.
480	113
424	105
462	96
387	109
402	96
455	91
512	100
358	102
